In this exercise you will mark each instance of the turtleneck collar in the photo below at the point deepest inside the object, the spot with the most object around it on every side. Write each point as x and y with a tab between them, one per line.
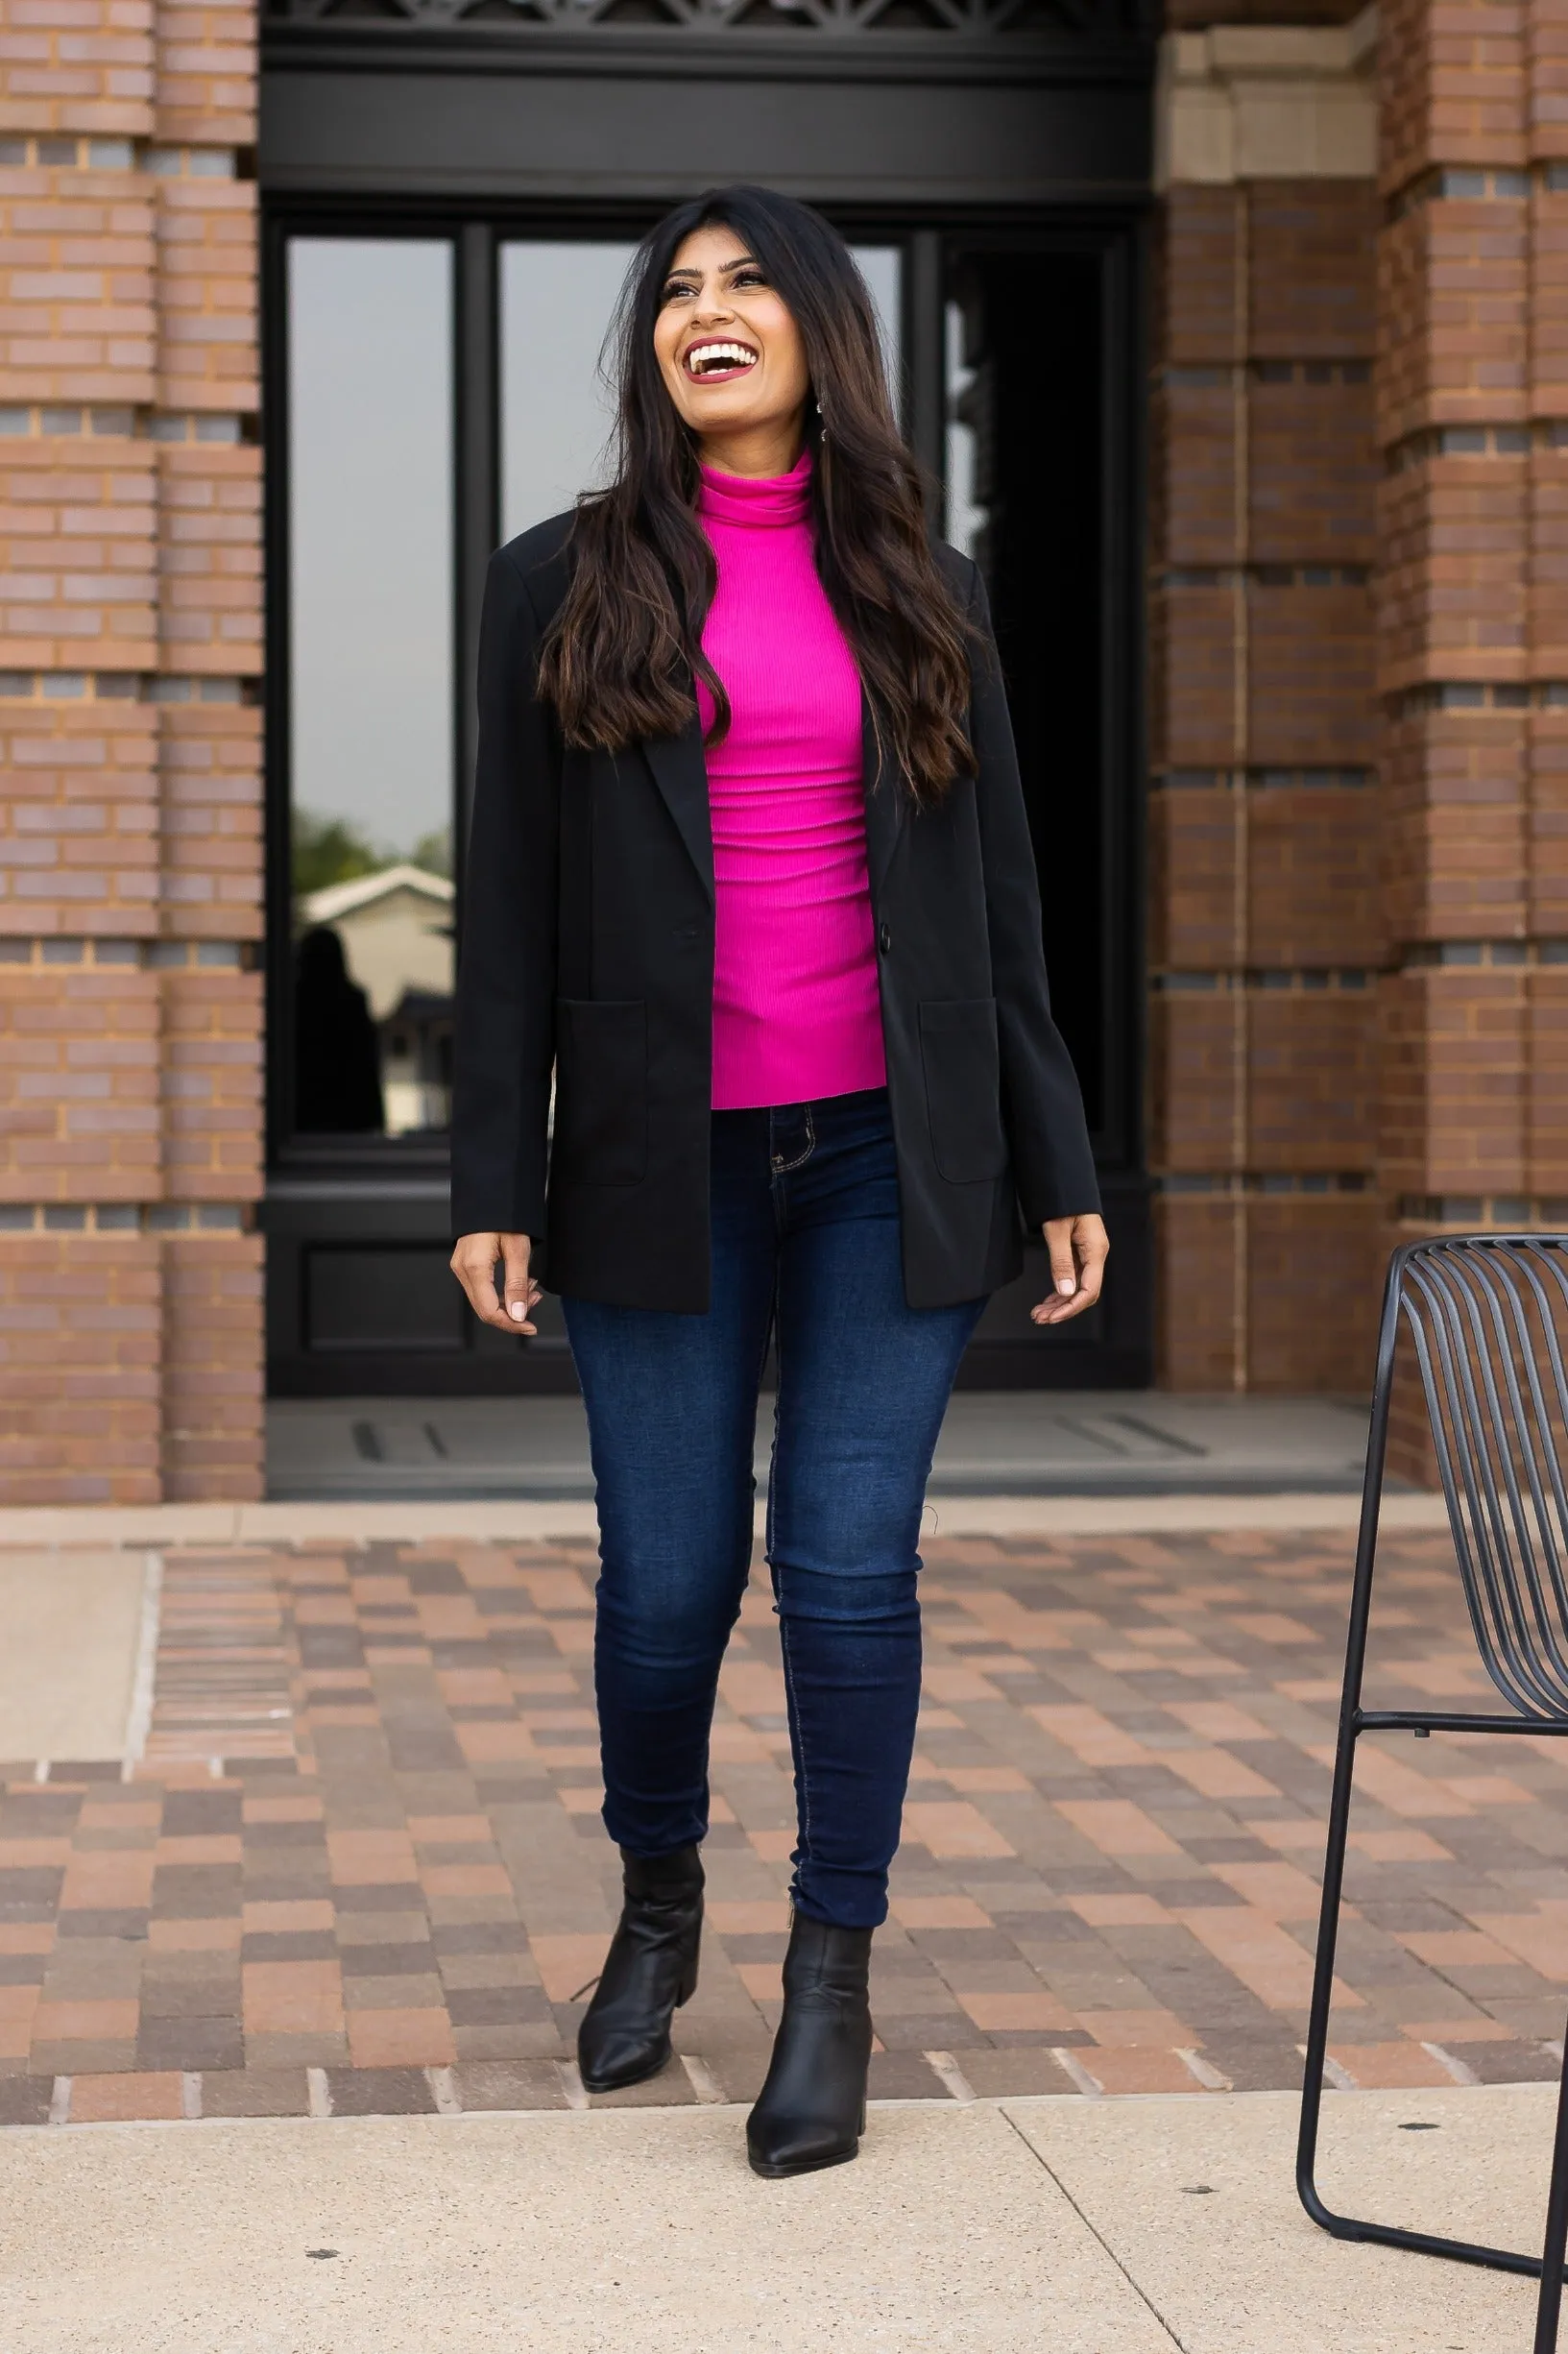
762	501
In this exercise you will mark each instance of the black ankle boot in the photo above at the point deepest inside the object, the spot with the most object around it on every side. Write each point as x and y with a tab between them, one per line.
811	2111
650	1969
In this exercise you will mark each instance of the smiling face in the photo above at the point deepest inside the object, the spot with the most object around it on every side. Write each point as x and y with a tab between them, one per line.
732	356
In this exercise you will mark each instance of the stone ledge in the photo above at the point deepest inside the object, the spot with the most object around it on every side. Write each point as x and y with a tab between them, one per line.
1266	101
523	1520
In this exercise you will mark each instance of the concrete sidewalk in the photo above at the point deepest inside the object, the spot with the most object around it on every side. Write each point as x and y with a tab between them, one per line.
1084	2228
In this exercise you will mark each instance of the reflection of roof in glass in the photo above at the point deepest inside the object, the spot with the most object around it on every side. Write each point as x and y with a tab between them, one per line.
345	898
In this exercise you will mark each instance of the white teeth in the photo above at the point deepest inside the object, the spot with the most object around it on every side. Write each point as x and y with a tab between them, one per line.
705	356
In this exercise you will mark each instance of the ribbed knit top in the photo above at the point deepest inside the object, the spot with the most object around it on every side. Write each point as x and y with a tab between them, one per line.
797	1010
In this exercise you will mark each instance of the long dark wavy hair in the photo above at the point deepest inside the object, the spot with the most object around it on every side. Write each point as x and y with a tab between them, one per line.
618	660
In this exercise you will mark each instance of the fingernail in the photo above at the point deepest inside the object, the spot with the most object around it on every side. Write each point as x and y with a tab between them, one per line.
1066	1284
517	1312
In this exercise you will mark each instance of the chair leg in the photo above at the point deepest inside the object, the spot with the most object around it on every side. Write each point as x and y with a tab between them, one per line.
1344	1766
1322	1995
1360	2227
1556	2243
1352	1722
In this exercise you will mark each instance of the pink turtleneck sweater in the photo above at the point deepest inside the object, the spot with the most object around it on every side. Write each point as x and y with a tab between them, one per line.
797	1012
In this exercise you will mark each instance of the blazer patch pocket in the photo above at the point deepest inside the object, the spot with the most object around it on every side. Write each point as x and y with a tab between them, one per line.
601	1091
963	1088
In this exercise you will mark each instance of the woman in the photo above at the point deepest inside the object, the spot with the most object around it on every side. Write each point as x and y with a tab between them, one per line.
750	874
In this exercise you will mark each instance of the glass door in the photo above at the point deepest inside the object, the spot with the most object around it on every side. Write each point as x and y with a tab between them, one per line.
437	392
557	303
371	678
1026	462
1040	456
372	563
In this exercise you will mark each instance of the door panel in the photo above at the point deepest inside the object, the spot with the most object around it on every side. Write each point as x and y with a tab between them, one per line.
359	1300
370	681
1038	485
1025	487
557	301
881	266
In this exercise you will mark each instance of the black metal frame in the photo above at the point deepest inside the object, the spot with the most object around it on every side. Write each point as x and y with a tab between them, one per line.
1479	1310
371	104
967	21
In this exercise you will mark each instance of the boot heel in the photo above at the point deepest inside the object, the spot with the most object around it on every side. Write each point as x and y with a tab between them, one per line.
688	1987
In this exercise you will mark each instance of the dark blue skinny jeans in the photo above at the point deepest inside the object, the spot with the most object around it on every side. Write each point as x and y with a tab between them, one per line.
807	1248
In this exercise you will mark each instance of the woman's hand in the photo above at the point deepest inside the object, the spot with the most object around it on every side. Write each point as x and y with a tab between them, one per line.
1078	1247
473	1264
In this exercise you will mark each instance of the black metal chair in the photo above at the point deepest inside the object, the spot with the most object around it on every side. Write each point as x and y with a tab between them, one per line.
1487	1316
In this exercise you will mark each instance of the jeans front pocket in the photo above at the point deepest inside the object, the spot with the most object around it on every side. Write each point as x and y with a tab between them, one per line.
962	1067
601	1091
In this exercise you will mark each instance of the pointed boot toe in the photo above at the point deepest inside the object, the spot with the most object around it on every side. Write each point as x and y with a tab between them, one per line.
650	1969
611	2059
811	2111
802	2146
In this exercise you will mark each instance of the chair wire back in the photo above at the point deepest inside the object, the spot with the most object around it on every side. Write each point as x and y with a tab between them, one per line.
1486	1316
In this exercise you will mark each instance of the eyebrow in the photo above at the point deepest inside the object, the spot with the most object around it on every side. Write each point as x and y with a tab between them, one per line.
741	261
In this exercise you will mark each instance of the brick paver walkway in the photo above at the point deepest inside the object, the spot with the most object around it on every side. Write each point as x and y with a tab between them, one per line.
361	1867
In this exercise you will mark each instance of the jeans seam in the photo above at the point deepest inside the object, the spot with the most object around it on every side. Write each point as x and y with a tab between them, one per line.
803	1826
769	1336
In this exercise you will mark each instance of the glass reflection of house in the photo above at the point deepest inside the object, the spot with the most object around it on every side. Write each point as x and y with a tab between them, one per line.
397	933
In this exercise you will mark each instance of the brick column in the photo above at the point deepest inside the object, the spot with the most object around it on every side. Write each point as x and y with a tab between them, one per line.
1264	935
1473	431
129	812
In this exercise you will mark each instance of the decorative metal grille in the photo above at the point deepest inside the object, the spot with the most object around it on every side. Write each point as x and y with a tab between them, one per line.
971	17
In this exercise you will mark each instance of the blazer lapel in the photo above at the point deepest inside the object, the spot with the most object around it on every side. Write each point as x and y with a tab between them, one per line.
884	804
681	774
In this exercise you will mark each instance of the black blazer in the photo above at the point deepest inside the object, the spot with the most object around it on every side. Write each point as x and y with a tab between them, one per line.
588	950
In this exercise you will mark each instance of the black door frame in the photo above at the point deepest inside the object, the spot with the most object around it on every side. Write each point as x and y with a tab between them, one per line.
391	1195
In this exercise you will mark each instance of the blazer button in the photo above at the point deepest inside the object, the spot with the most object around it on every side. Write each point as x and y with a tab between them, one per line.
884	939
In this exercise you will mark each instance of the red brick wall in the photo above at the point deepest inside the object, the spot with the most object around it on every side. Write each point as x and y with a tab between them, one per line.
212	1391
1362	570
1473	607
80	1358
1266	928
130	792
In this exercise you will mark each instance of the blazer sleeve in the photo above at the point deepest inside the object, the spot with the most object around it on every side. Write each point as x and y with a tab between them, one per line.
1053	1163
505	1049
